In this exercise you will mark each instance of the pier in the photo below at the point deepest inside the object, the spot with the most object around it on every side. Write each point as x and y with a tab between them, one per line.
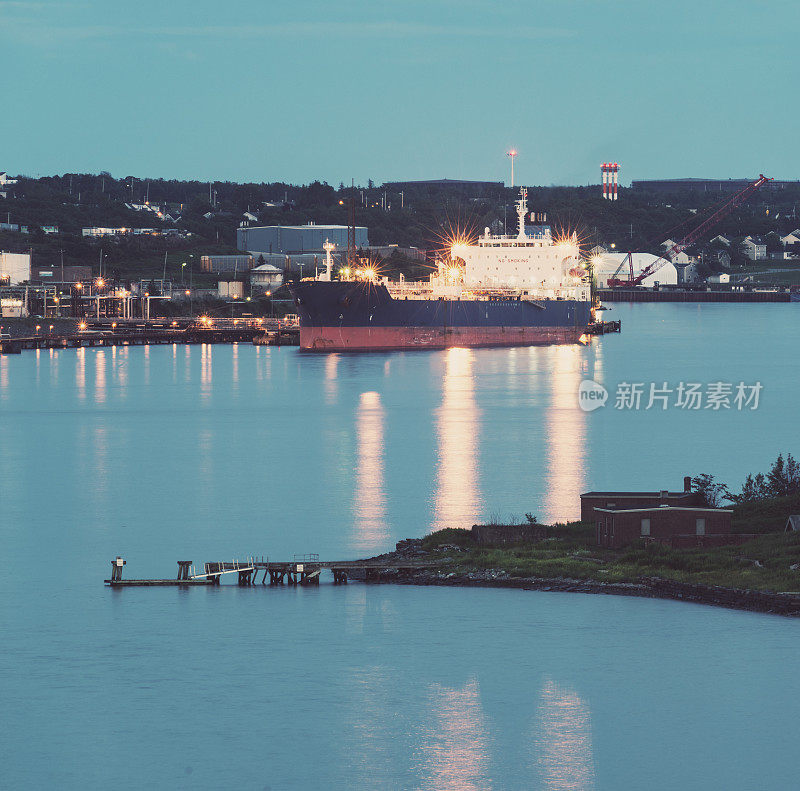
690	295
101	333
301	570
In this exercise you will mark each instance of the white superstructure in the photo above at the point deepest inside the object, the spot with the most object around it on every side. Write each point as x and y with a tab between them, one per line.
533	264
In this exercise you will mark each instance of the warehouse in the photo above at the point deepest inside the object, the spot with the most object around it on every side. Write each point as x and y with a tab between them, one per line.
605	265
293	239
15	268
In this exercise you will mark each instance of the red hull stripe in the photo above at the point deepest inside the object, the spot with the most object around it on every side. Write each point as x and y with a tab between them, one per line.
334	339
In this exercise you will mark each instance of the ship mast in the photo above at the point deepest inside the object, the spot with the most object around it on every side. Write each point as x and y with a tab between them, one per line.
328	247
522	210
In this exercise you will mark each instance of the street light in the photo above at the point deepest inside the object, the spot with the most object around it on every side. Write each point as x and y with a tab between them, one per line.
512	153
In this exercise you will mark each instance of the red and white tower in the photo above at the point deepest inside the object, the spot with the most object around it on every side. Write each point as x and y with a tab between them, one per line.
610	174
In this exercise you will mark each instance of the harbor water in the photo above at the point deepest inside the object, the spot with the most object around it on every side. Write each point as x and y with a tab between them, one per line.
219	452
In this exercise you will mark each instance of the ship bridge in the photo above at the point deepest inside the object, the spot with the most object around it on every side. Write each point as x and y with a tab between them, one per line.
524	261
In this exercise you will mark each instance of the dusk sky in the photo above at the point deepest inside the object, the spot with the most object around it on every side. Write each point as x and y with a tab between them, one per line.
297	91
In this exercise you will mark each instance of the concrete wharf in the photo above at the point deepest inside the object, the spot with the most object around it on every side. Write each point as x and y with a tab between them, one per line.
302	570
138	333
691	295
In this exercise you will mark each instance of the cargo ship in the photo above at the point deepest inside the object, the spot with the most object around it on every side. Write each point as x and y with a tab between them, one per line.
498	290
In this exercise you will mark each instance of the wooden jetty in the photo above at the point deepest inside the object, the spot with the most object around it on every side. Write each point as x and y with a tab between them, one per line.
301	570
183	577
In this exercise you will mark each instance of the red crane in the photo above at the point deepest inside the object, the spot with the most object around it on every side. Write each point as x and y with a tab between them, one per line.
690	238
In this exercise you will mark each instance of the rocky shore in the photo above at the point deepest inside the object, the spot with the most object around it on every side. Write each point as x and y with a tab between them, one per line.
409	557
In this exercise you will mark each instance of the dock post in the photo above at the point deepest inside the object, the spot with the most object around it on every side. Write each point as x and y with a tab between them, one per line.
183	569
116	569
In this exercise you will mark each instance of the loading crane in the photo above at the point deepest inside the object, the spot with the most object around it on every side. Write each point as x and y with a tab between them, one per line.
690	238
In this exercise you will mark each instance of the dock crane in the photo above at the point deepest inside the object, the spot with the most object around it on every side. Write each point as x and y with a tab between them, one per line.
690	238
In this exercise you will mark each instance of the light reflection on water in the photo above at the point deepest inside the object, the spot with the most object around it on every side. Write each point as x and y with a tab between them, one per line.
369	505
206	372
566	432
454	749
562	740
331	382
457	498
80	373
100	376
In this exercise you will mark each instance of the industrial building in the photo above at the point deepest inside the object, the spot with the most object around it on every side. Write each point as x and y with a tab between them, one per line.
605	265
296	239
60	274
15	268
226	263
266	277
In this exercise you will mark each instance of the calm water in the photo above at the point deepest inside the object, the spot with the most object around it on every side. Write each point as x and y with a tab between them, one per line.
217	452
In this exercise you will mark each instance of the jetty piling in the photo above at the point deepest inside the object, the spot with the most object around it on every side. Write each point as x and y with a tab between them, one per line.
116	569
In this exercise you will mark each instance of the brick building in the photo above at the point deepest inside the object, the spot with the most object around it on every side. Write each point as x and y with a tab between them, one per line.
677	526
592	500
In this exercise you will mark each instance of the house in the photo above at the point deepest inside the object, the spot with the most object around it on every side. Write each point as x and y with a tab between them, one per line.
676	526
5	180
249	217
791	244
592	500
722	277
719	239
50	229
791	238
793	524
754	247
718	257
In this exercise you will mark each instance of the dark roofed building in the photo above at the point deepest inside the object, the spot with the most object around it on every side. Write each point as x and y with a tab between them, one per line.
592	500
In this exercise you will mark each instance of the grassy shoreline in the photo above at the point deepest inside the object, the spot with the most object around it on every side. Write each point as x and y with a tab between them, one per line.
569	551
